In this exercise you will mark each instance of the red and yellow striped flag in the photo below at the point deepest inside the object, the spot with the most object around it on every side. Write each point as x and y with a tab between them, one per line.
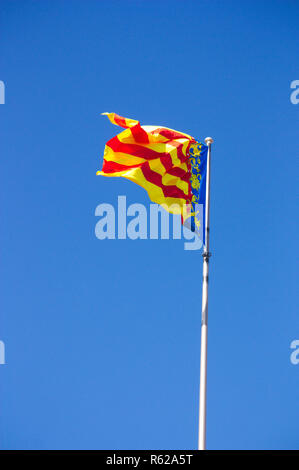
156	158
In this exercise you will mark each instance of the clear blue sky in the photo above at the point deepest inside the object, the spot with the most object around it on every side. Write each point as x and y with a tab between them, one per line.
103	337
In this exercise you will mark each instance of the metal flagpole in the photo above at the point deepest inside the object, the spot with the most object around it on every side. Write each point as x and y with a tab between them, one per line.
204	312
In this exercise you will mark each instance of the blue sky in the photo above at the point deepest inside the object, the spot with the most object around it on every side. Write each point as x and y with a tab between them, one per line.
102	338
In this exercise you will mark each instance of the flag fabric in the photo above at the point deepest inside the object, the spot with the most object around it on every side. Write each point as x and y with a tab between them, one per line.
168	164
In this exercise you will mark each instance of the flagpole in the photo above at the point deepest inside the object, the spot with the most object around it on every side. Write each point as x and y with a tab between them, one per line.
204	312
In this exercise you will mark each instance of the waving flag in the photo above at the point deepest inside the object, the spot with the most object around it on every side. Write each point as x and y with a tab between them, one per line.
168	164
174	168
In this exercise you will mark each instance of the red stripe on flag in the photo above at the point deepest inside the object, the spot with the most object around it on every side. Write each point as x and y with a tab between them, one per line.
180	173
156	178
134	149
167	162
169	134
120	121
113	167
139	134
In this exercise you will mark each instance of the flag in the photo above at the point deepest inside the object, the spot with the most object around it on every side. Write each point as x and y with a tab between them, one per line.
168	164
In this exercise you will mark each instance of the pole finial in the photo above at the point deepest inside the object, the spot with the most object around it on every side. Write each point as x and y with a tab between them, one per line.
209	140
